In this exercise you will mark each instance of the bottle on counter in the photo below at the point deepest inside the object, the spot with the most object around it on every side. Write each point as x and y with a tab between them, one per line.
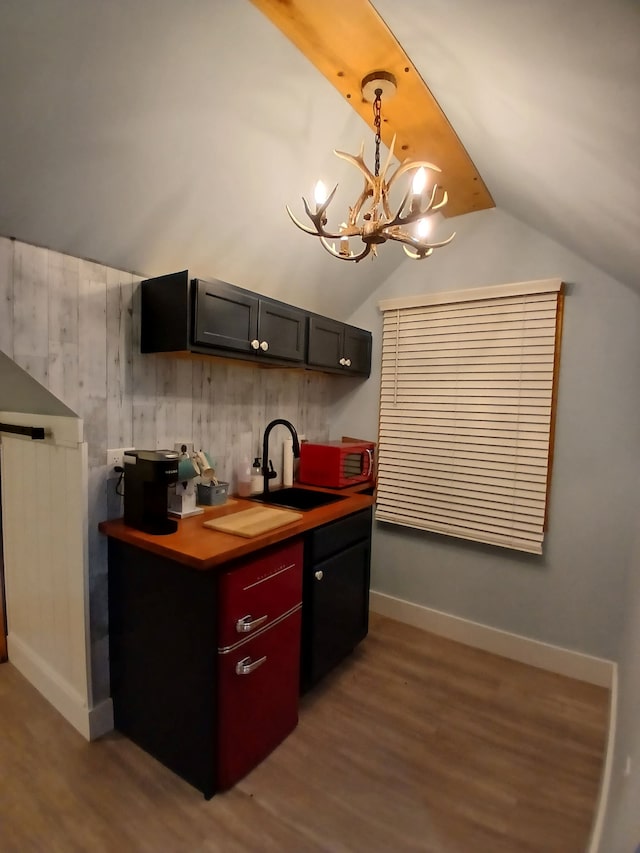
287	462
257	480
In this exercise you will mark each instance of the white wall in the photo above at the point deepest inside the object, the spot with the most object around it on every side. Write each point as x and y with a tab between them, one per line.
573	596
117	153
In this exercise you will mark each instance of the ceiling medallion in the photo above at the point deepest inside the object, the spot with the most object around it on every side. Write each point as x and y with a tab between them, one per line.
371	218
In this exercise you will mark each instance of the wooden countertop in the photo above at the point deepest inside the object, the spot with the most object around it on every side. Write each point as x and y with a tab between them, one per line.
203	548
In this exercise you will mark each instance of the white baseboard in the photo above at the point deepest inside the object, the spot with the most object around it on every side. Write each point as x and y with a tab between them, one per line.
91	723
593	670
101	719
605	780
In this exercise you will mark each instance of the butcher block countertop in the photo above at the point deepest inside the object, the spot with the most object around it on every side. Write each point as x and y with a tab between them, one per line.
202	548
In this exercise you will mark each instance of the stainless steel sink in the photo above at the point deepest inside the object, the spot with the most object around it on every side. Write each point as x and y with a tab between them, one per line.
300	499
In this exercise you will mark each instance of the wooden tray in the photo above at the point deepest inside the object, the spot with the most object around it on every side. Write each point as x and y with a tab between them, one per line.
254	521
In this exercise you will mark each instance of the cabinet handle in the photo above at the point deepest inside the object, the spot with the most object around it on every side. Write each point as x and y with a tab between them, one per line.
264	346
319	575
369	455
347	362
255	344
246	624
343	361
246	666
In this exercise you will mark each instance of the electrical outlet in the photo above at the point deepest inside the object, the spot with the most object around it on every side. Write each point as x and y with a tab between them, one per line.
627	766
116	456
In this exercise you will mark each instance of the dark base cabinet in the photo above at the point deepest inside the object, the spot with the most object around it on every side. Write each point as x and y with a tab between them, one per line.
336	579
162	648
205	664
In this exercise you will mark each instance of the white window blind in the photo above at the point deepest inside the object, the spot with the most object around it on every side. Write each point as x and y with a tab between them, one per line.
466	412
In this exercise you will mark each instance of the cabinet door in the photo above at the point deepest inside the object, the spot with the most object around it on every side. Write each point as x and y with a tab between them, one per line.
338	347
257	698
336	610
225	316
283	330
325	343
259	591
357	350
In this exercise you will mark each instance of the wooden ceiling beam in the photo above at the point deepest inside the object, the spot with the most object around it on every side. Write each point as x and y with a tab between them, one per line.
346	40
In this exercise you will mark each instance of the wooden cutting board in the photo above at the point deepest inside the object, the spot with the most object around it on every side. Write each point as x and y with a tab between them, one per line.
254	521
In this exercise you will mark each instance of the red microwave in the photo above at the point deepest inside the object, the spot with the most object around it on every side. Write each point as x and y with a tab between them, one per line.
336	464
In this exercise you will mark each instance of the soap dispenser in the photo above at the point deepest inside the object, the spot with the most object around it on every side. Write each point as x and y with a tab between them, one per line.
257	480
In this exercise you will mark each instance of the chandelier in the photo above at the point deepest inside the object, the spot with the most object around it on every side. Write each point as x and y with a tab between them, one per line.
372	219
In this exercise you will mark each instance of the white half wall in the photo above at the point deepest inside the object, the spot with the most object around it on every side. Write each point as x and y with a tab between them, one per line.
44	514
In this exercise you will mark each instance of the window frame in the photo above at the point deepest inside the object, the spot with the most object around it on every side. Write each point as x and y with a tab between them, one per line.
477	306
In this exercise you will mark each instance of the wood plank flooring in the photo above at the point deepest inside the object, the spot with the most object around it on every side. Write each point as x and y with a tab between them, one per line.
415	744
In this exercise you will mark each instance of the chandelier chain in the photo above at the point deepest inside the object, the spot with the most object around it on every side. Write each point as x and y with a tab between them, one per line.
376	123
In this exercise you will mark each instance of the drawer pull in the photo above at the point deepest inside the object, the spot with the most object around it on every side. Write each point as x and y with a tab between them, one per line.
246	666
247	624
264	346
319	575
255	344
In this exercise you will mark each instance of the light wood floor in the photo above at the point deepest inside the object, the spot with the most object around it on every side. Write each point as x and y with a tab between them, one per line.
415	744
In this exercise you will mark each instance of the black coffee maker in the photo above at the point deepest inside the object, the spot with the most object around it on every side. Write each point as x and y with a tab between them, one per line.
147	476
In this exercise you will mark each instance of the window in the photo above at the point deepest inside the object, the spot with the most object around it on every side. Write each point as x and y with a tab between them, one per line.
467	402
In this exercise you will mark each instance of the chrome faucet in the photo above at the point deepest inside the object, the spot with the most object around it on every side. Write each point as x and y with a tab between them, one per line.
267	472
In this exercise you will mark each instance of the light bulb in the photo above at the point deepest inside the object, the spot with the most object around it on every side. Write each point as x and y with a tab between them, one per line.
423	227
320	193
419	181
344	240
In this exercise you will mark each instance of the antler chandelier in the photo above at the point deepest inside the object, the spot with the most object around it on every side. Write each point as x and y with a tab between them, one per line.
371	218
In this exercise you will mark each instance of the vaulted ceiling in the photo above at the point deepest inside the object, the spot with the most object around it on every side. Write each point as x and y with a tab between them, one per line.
153	135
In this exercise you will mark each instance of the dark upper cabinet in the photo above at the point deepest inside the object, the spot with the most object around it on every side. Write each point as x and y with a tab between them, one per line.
165	313
357	349
282	330
236	319
219	318
338	347
180	314
224	316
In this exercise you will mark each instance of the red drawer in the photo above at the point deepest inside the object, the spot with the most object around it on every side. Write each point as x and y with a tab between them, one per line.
257	698
255	593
